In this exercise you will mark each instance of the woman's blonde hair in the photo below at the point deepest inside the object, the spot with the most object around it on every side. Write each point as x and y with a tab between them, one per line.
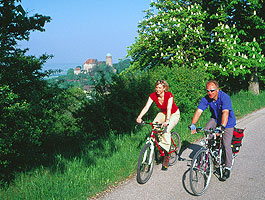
164	83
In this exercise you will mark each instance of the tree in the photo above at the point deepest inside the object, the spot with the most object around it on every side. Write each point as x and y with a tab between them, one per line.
205	35
122	65
18	70
238	31
26	99
172	32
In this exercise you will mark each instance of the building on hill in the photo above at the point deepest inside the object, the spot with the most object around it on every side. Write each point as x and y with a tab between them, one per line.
77	70
89	64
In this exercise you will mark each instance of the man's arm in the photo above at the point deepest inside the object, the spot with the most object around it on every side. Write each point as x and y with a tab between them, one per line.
224	117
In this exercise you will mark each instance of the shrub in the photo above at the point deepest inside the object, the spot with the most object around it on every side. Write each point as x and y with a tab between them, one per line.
187	85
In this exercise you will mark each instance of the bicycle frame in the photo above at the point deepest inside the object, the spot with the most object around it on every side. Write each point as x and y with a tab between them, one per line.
152	139
210	151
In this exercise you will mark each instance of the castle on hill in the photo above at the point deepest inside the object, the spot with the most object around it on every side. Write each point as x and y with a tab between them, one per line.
91	63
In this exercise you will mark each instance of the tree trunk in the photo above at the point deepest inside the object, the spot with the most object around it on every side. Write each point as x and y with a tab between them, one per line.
254	83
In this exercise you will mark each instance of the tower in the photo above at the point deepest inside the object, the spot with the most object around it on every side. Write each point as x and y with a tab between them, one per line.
109	61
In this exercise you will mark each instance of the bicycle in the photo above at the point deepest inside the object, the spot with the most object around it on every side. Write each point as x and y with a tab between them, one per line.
147	155
210	157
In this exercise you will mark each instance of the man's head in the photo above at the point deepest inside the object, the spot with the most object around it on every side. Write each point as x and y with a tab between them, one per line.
212	88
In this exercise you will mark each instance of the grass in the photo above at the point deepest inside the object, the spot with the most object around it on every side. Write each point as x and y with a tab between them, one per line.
77	179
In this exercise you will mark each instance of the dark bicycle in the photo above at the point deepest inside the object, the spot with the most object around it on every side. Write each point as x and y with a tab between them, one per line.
210	159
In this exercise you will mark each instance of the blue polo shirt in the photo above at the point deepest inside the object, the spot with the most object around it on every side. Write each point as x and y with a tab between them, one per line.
223	103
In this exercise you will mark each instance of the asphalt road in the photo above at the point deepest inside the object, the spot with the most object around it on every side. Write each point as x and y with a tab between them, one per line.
247	180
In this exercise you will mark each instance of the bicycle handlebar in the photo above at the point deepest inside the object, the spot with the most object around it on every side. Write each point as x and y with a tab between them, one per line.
209	131
151	123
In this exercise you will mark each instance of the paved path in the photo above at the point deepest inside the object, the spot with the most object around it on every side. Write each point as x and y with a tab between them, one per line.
247	180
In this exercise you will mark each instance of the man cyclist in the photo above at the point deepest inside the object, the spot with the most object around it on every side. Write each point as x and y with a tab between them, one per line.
222	116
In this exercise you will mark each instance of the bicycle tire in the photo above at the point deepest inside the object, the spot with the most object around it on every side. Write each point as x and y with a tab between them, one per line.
174	155
198	171
145	170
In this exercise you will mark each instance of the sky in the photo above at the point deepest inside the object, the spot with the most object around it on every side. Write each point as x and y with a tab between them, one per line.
84	29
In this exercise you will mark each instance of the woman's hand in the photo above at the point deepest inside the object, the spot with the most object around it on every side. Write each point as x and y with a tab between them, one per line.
165	123
139	120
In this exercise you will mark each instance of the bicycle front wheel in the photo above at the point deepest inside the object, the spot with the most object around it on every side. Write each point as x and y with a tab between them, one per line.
174	155
145	164
201	172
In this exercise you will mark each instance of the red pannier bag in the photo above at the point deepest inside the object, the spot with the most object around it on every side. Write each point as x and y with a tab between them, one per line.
238	135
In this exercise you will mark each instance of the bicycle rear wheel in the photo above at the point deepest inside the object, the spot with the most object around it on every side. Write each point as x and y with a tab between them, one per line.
145	164
174	155
200	172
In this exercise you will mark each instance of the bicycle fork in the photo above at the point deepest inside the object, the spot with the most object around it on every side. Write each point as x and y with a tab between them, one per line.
152	148
204	161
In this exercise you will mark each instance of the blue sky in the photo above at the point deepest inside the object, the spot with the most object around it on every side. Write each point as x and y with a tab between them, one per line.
83	29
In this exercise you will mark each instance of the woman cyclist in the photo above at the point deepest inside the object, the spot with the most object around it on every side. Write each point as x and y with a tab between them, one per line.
168	115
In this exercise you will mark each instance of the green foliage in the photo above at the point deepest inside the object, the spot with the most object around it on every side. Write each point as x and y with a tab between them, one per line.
114	106
16	25
187	85
70	74
237	30
170	33
19	133
224	39
122	65
36	118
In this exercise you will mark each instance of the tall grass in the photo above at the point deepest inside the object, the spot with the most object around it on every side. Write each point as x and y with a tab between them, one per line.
76	178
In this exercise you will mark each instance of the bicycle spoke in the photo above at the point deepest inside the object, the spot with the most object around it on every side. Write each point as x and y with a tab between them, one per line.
200	172
145	164
174	148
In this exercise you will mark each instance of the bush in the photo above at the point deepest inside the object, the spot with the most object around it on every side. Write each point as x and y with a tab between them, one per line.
187	86
115	106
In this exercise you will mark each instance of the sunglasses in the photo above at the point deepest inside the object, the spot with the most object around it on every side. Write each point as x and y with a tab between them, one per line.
160	81
211	90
